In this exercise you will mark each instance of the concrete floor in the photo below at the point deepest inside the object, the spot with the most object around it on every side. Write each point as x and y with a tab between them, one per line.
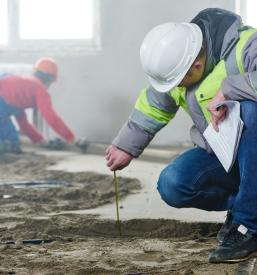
144	204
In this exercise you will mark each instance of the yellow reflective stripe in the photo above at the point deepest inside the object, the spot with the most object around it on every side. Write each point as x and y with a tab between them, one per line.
176	94
244	36
143	106
146	122
179	94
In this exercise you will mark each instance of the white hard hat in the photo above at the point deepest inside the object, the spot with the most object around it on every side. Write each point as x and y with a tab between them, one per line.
167	53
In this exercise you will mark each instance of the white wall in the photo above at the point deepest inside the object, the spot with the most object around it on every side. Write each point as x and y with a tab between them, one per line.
95	93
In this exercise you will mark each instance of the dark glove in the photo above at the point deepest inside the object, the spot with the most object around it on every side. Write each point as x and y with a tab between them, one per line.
56	144
82	144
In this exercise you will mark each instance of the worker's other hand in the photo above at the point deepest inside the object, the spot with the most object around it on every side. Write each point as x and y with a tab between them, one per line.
56	144
116	158
82	144
217	113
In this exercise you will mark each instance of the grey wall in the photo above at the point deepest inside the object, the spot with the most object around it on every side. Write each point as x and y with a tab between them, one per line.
95	93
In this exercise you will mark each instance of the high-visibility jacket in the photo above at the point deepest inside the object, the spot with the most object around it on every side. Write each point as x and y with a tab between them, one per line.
153	110
152	116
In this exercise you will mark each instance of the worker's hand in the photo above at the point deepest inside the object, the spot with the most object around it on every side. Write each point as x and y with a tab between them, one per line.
217	113
56	144
82	144
52	144
116	158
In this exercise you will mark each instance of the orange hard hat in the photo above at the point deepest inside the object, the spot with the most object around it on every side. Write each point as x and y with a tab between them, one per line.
47	65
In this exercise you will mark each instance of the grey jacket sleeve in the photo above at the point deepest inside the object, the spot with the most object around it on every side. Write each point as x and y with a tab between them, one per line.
132	139
244	86
140	129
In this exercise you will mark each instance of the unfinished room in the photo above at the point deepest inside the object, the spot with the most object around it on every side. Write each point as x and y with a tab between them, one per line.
124	134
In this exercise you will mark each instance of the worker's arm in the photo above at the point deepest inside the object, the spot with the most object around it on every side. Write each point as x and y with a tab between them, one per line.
244	86
45	107
153	110
27	129
237	87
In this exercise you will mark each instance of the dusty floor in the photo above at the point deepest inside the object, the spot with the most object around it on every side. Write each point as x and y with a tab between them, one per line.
83	244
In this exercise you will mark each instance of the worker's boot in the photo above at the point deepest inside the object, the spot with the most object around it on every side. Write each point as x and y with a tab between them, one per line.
225	227
16	149
238	245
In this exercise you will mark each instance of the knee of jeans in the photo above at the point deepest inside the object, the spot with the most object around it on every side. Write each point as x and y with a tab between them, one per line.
170	188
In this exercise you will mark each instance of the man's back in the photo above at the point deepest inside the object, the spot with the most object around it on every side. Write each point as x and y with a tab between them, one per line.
21	91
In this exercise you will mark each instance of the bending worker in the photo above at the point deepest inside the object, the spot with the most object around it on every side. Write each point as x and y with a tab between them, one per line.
18	93
196	66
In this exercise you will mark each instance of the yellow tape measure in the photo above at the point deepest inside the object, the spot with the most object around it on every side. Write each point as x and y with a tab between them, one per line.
117	202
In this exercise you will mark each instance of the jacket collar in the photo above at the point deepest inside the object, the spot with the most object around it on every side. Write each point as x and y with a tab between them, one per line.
221	30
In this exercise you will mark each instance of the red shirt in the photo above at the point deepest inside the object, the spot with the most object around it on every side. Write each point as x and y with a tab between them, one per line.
29	92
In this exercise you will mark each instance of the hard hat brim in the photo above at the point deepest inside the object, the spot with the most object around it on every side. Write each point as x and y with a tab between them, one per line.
166	87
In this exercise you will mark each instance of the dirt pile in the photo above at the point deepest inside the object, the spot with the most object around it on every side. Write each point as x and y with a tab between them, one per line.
80	190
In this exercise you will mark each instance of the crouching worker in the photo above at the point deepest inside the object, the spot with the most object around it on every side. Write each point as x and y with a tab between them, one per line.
197	66
18	93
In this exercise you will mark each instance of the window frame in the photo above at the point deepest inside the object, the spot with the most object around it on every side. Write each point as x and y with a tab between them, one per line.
58	46
241	9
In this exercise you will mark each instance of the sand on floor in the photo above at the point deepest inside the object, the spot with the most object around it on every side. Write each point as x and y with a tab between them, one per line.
85	244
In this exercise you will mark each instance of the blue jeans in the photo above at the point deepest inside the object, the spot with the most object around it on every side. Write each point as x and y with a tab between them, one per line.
7	128
197	179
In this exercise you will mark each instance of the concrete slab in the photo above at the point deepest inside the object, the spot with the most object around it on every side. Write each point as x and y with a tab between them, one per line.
142	205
